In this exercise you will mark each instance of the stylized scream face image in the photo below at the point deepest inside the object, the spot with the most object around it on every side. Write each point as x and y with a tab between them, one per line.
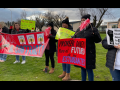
22	40
40	39
31	39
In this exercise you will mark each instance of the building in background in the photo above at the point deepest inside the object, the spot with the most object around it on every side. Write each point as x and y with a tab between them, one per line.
75	25
103	27
112	24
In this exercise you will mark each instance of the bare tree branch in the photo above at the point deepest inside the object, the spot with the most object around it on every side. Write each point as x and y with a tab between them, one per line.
23	14
97	14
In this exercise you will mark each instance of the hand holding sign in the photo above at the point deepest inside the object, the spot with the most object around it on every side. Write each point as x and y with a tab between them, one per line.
72	51
84	24
118	47
63	33
0	30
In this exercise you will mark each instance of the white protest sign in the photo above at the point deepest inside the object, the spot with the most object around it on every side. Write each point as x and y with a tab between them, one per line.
113	36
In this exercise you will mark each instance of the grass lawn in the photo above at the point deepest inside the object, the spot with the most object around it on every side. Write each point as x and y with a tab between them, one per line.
32	70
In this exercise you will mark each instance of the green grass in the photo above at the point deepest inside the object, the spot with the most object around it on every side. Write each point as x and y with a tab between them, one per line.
103	36
32	70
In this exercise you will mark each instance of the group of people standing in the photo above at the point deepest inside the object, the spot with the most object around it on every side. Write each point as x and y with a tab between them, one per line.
15	30
92	36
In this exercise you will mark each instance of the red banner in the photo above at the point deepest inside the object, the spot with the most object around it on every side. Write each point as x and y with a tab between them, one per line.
27	44
72	51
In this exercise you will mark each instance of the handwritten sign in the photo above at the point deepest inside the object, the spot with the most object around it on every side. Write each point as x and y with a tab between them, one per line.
113	36
64	33
27	44
27	24
84	24
72	51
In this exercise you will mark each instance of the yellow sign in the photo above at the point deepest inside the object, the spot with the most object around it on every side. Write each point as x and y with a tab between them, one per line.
64	33
27	24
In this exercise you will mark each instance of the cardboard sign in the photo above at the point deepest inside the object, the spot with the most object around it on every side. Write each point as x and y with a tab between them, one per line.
72	51
113	36
64	33
27	24
27	44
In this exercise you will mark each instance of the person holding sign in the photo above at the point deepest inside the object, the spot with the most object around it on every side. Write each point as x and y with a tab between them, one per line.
3	29
50	49
17	30
66	67
92	36
113	58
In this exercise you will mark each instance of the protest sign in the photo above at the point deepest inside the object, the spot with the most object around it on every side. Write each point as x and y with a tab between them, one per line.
63	33
27	44
27	24
72	51
113	36
84	24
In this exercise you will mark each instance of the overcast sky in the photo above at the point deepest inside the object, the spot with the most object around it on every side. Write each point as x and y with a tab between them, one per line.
72	13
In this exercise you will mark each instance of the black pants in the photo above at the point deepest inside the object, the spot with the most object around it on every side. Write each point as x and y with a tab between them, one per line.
51	55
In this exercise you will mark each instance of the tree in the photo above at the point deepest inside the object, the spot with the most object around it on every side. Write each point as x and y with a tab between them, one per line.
44	19
40	23
23	14
13	23
58	18
18	20
55	18
97	14
40	20
8	24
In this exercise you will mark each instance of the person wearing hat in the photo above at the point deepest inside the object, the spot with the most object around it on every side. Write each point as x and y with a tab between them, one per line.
66	67
66	24
50	49
92	36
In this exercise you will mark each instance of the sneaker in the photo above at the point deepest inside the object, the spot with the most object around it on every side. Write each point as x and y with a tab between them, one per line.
46	69
23	62
16	62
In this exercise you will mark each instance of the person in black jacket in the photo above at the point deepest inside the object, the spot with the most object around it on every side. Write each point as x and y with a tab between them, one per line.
50	49
92	36
66	67
112	58
3	29
17	30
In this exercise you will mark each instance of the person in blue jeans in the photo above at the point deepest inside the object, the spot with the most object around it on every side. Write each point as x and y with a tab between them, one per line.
92	36
84	74
17	30
113	58
3	29
18	61
3	57
66	67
